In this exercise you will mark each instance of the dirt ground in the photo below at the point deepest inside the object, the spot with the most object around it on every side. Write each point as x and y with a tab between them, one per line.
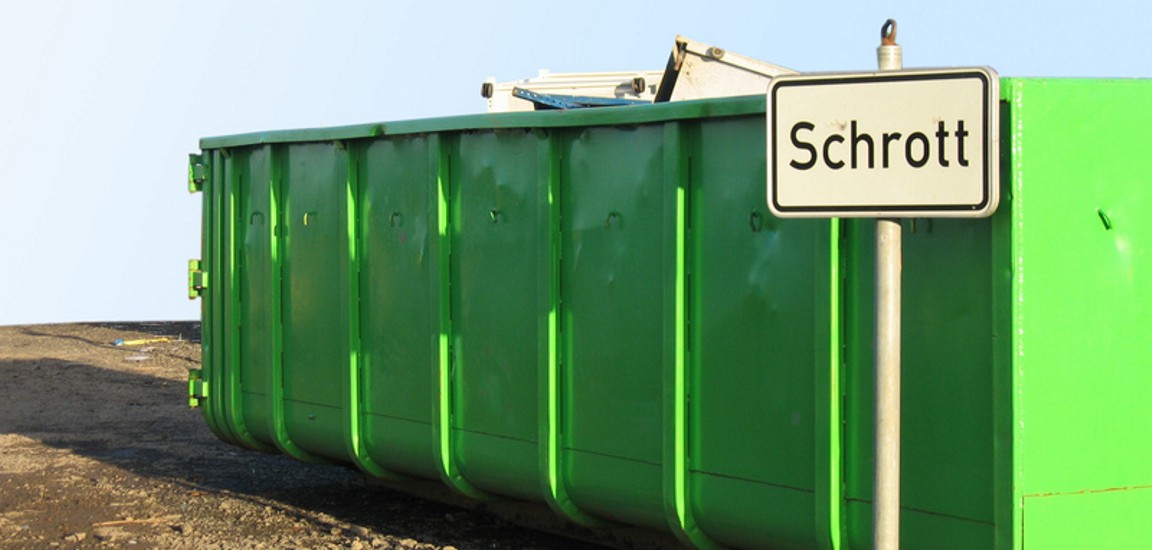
98	448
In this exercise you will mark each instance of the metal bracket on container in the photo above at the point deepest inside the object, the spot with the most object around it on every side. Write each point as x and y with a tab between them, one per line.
197	172
197	279
197	388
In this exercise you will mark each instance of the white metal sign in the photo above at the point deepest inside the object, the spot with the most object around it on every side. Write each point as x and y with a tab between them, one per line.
916	143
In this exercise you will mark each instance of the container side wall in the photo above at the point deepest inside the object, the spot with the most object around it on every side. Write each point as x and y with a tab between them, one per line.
614	284
398	331
497	223
1083	179
755	346
314	341
258	294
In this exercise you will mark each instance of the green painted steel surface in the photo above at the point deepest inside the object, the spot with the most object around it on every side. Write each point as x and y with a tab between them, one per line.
314	297
256	339
596	311
614	277
758	339
499	218
397	272
1082	240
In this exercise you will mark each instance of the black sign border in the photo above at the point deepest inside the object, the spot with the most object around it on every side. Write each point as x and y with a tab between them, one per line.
991	165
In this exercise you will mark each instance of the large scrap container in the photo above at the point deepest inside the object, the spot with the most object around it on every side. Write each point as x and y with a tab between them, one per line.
595	310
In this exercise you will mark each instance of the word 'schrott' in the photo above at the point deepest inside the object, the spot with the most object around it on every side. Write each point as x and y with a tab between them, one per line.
889	144
917	148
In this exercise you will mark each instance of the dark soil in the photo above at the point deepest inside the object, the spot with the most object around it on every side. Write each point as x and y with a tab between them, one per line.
98	448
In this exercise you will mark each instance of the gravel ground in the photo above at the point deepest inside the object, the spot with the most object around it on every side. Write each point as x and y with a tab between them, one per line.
99	449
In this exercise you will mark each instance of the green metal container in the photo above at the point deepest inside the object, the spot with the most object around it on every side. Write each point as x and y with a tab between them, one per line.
594	310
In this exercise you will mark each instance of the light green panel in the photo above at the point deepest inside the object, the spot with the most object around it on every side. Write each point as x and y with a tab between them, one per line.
1082	176
1089	521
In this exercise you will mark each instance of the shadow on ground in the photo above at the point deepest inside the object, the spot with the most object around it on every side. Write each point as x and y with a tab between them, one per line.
139	422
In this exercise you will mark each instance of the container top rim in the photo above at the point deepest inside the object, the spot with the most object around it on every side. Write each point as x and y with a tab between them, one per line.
606	116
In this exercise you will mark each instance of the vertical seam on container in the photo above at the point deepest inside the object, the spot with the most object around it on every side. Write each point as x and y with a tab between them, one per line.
210	341
681	391
351	303
227	390
835	443
550	445
216	404
449	469
275	383
1002	364
1017	229
556	490
443	429
276	380
234	398
681	517
357	447
223	329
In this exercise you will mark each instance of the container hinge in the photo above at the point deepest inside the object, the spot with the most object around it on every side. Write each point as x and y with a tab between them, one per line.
197	279
197	388
197	172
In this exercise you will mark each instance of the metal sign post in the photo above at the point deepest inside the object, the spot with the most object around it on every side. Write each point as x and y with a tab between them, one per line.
888	293
886	145
889	267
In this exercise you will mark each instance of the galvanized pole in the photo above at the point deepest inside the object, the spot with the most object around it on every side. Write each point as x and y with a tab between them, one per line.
889	264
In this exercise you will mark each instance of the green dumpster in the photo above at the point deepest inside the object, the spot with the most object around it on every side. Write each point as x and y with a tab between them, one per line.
595	311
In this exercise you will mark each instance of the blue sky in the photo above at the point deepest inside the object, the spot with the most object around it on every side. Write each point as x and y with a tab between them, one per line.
101	102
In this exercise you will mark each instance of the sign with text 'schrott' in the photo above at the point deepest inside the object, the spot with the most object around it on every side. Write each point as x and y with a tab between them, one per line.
916	143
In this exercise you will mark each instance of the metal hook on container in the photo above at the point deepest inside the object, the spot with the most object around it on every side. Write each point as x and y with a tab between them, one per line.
1104	219
613	220
756	221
